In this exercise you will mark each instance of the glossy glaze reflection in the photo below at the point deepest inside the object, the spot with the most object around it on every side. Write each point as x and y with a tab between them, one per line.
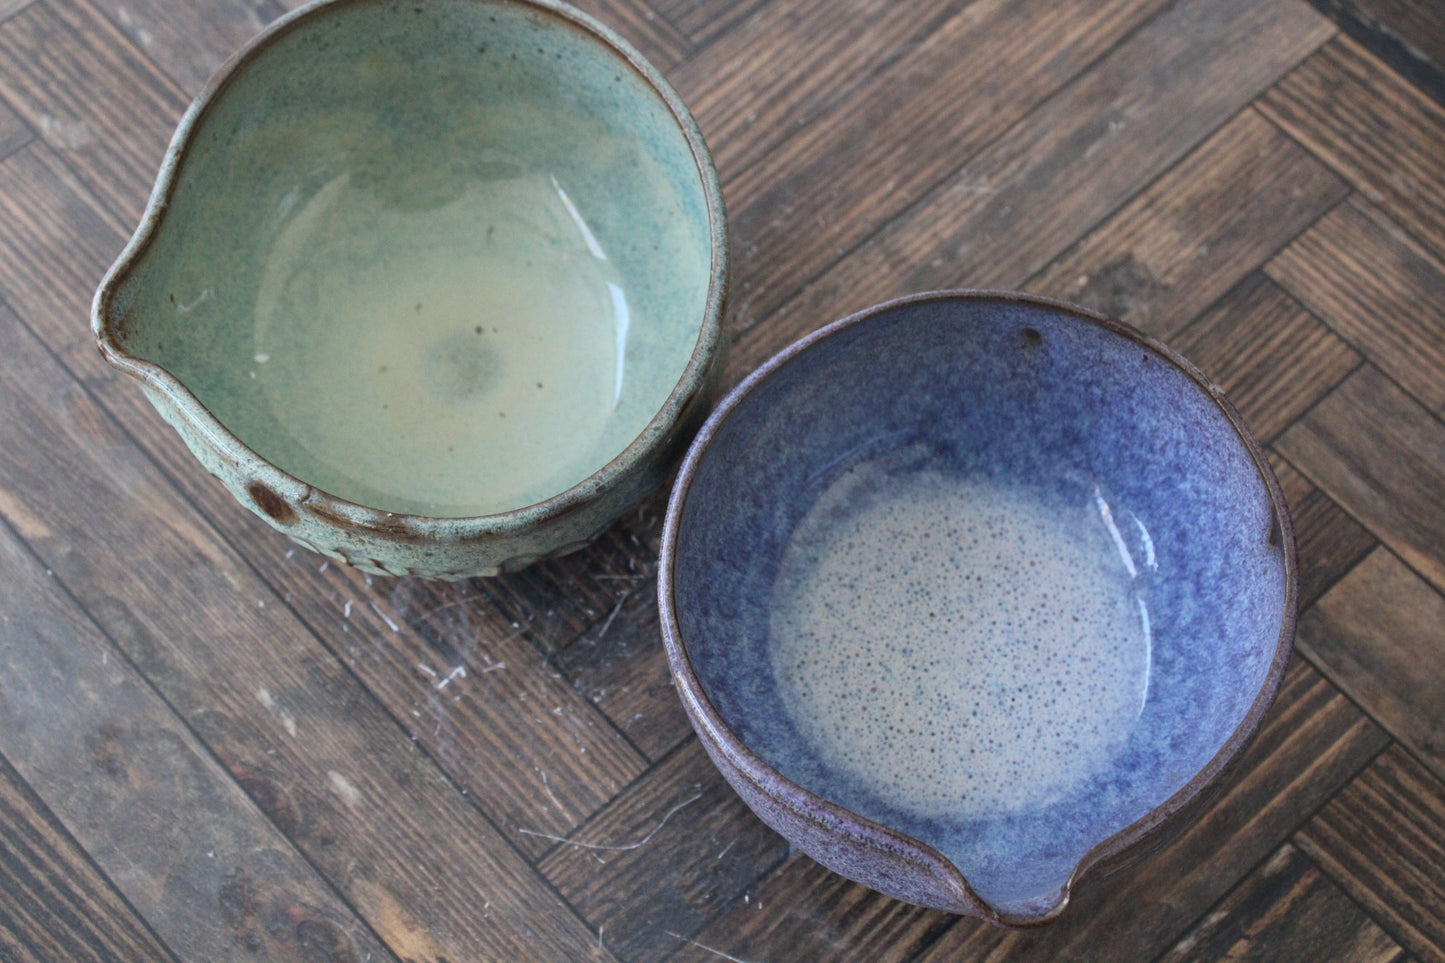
485	340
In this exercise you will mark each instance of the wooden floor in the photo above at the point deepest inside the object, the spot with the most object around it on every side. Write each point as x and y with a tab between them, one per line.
216	747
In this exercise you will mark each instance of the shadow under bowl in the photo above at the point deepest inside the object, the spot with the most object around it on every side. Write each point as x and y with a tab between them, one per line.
971	592
432	286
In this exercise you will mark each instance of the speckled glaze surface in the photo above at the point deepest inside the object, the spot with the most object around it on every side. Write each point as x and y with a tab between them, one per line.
434	287
972	594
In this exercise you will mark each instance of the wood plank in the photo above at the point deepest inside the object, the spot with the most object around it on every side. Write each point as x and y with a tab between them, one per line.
1287	910
793	64
802	911
1378	132
557	600
1382	839
622	667
311	745
866	162
188	41
1034	191
1273	358
664	857
448	662
14	132
1406	34
91	96
1183	242
132	784
1377	289
703	22
55	244
523	745
1329	542
58	904
11	7
1377	635
1381	456
550	768
1313	741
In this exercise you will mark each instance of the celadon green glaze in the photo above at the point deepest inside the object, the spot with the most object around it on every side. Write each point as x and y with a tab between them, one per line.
434	287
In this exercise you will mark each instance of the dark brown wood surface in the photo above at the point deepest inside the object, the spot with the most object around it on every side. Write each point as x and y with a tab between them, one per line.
216	746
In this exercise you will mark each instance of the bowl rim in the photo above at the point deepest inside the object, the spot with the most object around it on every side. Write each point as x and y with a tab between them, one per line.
693	380
1174	812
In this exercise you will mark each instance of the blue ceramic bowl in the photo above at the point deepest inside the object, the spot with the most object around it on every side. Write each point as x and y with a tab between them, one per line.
971	592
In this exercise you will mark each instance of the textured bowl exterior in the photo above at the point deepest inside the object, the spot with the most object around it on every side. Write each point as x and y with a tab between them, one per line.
864	849
401	544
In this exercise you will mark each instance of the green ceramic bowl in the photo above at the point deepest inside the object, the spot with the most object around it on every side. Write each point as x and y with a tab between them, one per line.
434	287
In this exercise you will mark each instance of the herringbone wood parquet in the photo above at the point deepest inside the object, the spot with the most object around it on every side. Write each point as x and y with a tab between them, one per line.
214	746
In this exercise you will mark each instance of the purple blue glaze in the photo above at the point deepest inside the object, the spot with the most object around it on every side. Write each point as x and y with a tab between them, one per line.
1062	412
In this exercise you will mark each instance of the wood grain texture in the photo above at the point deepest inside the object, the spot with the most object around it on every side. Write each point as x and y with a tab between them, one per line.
161	818
11	7
459	676
1192	235
668	854
556	600
188	41
1012	208
520	742
1273	359
793	65
622	667
1328	541
1380	636
79	83
289	722
452	667
14	132
1377	131
56	244
1406	34
57	903
1313	741
841	921
863	162
1379	454
703	21
1287	910
1382	839
1377	289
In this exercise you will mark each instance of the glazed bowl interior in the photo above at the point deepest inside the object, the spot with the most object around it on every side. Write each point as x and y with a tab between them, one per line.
446	258
995	575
